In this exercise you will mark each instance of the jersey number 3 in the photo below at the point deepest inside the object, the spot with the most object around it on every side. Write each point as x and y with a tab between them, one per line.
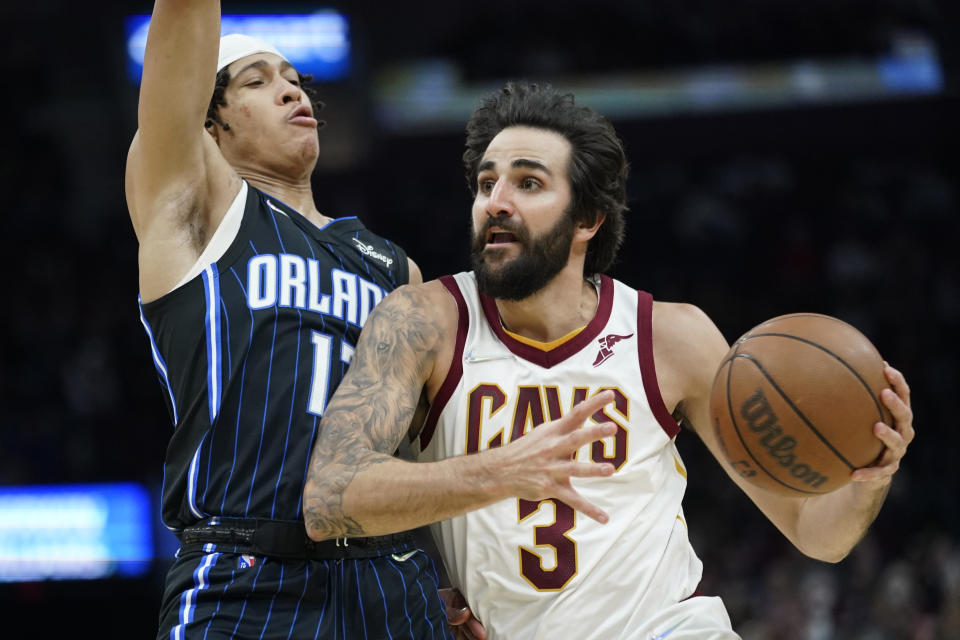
551	535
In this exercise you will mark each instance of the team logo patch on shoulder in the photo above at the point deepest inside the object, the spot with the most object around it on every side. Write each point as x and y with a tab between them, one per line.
371	252
606	347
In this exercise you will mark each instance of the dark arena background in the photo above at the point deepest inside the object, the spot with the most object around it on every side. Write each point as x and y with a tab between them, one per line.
785	156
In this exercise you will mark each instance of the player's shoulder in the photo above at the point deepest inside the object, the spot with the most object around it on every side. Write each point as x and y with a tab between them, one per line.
685	340
679	320
426	302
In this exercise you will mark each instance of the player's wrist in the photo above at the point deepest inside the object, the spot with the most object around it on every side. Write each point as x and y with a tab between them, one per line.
490	476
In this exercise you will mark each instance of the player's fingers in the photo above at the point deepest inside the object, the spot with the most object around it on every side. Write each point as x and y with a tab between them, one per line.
457	616
452	598
589	469
586	435
580	412
874	473
901	412
475	630
894	441
581	504
898	382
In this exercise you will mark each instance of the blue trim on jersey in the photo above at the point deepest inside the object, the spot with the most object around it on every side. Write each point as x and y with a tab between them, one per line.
188	598
335	220
158	361
211	290
192	474
270	204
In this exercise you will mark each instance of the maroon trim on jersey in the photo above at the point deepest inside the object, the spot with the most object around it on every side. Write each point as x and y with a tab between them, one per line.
647	368
456	366
547	359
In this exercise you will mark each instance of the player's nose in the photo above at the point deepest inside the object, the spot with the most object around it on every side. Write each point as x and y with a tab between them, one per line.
499	203
289	91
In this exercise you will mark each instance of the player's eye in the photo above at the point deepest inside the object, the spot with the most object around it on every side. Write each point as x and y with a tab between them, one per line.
529	184
485	186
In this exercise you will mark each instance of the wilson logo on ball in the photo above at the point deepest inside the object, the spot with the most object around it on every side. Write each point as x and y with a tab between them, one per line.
763	421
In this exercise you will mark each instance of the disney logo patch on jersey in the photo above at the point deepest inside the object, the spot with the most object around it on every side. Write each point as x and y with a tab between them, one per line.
371	251
606	347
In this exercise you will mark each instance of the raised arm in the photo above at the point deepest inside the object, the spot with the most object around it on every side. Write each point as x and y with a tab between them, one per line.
175	175
355	487
824	527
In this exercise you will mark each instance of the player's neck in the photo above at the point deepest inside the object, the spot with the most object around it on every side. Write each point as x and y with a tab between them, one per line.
296	194
566	304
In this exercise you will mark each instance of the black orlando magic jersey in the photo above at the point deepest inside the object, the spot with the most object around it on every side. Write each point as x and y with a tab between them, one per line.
249	351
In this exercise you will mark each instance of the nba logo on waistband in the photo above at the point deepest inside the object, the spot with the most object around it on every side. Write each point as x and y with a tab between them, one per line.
246	562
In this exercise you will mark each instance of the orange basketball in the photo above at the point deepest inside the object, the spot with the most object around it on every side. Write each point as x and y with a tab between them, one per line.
794	402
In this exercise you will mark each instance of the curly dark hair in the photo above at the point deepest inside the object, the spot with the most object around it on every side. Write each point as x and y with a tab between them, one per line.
598	164
220	88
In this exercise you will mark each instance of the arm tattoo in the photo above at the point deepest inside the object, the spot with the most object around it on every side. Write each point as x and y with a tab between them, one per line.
371	410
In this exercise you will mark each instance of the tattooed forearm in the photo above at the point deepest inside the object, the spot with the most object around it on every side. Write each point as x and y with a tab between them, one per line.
371	410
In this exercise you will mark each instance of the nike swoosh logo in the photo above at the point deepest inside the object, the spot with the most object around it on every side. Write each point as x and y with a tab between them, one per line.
403	558
471	357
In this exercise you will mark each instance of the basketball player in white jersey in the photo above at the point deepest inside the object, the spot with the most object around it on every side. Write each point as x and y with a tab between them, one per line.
547	534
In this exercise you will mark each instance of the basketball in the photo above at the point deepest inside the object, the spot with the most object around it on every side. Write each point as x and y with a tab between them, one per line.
794	402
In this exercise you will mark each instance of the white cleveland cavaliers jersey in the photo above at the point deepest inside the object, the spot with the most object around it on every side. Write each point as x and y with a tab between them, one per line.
541	570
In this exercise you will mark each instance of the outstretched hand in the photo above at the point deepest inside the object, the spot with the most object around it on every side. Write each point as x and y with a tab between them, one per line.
897	437
462	623
541	463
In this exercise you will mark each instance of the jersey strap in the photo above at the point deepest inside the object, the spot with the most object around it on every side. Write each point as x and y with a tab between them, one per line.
456	366
647	369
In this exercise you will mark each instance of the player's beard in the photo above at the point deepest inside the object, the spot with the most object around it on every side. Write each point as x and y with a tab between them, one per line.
540	259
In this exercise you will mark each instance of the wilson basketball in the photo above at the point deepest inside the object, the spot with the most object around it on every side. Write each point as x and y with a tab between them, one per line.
794	403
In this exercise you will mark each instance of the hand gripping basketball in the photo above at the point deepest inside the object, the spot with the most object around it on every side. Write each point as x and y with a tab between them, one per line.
540	464
896	437
802	404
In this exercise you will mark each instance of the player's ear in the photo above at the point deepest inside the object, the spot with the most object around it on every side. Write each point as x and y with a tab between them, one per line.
211	127
586	229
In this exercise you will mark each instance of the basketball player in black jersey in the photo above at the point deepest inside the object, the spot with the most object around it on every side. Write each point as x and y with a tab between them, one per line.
253	301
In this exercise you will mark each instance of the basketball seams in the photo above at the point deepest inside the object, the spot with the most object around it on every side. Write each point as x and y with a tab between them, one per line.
876	402
796	409
736	428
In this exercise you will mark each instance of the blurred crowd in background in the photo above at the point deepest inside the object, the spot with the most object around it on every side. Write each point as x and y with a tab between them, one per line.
847	210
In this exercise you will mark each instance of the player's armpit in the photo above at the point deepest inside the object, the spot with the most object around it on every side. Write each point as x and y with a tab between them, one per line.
372	410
